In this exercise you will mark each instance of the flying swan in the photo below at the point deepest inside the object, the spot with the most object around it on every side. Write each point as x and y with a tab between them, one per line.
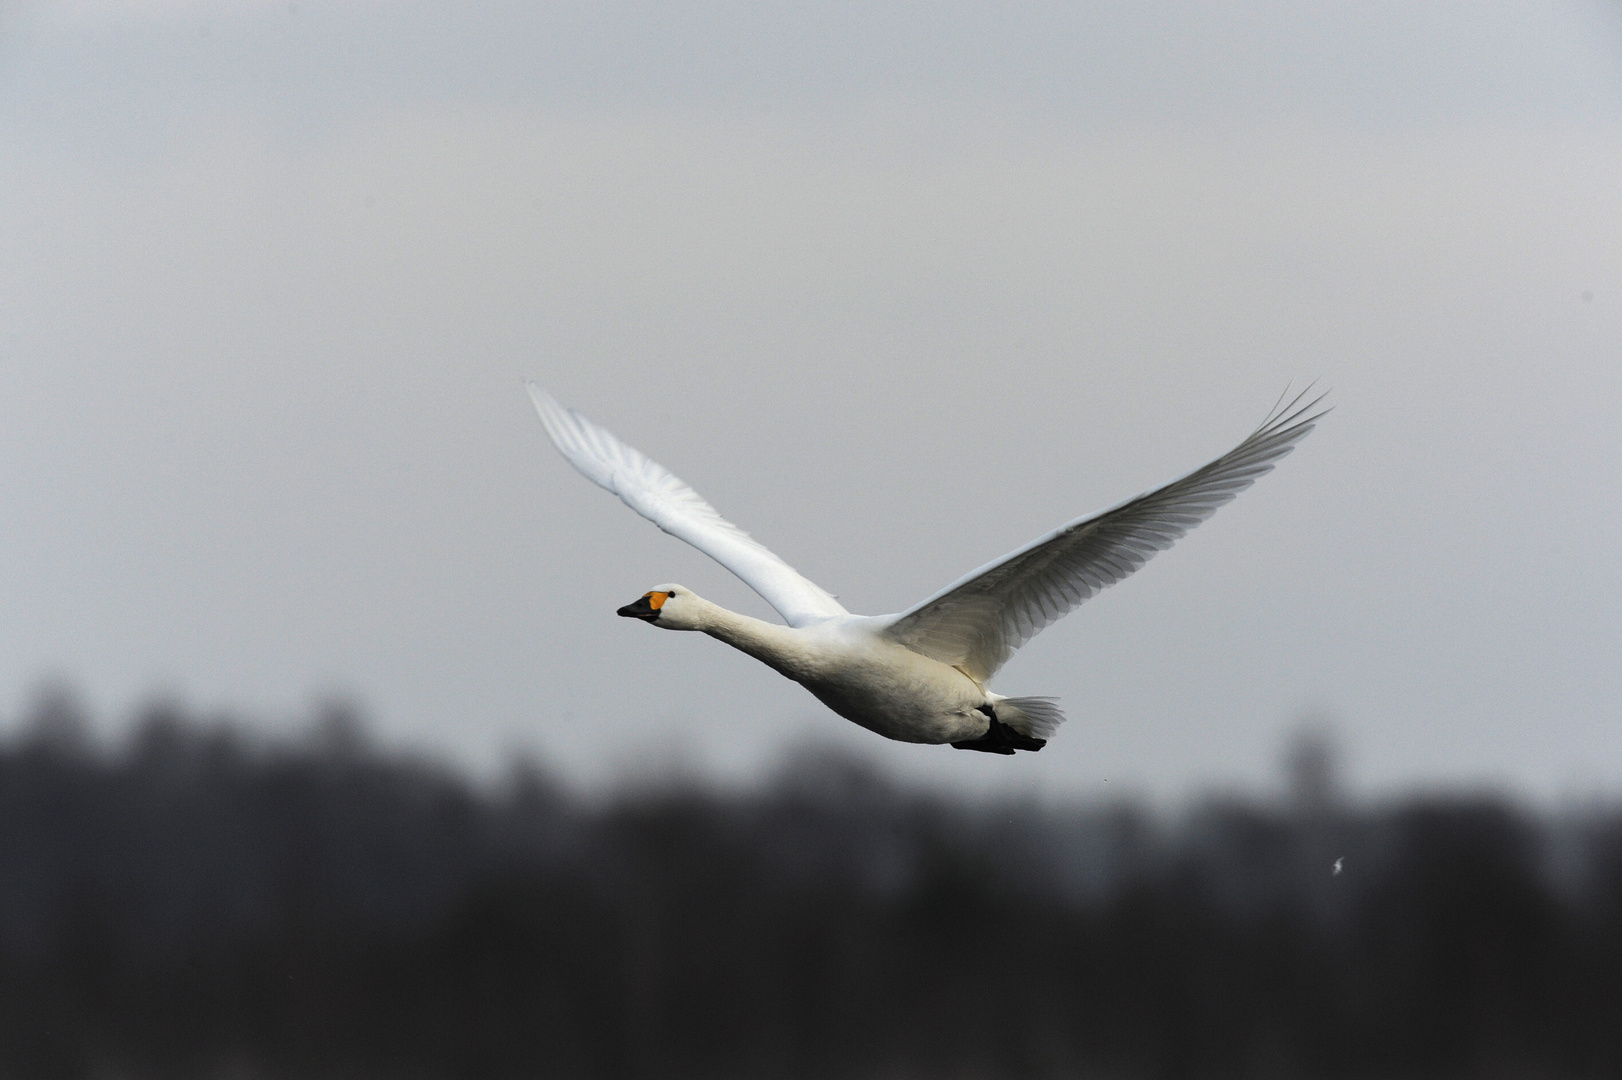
919	676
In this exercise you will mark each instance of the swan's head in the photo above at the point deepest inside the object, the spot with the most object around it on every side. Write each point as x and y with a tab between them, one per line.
670	606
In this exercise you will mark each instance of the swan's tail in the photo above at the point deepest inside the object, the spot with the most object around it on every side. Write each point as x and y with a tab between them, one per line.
1038	717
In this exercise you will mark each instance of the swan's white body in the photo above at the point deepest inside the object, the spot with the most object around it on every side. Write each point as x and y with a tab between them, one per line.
852	666
918	676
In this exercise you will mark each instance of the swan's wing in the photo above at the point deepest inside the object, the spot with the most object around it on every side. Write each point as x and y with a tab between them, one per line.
652	491
976	623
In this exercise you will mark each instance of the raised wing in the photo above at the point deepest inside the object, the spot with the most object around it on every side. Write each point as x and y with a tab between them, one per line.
654	492
977	622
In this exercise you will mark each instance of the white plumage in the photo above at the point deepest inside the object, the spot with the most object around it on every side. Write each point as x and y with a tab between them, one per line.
654	492
918	676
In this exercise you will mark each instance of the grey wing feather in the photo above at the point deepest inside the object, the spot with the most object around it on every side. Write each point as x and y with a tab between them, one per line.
660	496
977	622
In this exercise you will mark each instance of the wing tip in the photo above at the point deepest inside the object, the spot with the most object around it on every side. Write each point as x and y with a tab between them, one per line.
569	431
591	450
550	408
1291	413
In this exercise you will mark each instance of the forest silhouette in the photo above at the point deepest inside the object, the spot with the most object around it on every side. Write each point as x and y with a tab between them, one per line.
198	902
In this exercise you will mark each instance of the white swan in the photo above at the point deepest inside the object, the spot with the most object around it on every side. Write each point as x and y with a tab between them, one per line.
918	676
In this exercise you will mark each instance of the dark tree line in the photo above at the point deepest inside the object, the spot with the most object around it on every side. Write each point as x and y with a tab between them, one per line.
195	904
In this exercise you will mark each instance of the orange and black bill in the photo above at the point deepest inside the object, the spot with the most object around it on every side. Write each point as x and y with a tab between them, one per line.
645	608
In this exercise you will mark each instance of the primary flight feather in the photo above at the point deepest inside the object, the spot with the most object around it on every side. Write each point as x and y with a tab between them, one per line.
918	676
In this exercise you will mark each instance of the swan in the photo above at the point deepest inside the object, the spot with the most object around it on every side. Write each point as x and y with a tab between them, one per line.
918	676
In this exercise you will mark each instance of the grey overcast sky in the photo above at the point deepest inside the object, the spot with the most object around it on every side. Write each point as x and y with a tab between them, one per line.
896	286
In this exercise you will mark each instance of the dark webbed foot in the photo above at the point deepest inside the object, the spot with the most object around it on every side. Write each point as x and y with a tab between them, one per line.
983	746
999	738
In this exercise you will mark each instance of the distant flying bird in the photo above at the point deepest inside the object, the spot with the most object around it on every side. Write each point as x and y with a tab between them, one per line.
1336	871
919	676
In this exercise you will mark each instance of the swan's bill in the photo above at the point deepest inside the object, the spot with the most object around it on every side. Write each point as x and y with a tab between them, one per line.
646	607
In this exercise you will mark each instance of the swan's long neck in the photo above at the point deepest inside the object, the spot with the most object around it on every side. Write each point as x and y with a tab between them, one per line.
777	646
